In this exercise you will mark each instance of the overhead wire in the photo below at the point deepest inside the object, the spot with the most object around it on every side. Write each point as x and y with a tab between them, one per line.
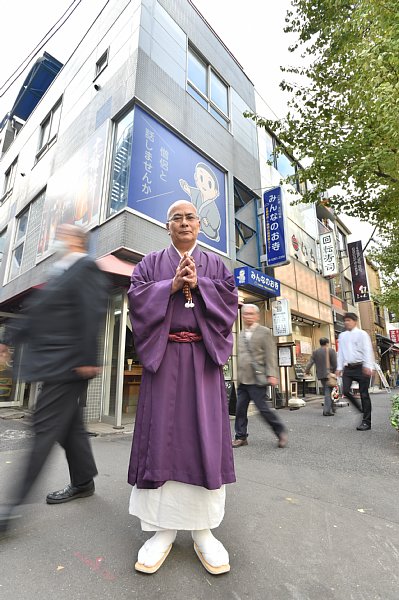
45	39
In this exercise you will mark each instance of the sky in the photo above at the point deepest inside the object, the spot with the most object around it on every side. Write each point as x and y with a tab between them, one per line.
252	30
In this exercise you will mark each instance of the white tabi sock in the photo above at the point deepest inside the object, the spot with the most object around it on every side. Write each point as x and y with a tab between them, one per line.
154	548
212	550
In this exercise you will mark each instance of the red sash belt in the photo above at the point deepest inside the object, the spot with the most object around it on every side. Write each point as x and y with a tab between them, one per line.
184	336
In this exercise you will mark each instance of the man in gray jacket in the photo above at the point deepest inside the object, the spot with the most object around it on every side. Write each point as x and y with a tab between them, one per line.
324	366
256	352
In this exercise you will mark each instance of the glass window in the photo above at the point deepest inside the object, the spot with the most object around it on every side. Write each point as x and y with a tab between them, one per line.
101	63
197	72
208	88
2	244
219	93
9	178
55	121
269	148
22	226
121	164
197	96
49	127
45	132
285	166
219	117
19	243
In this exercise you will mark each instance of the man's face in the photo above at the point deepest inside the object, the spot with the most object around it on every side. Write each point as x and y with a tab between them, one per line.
205	184
183	225
250	316
68	240
349	324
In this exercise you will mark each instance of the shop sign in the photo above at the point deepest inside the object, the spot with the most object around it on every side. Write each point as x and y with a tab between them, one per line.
249	278
281	316
301	245
275	229
328	254
358	269
167	169
394	335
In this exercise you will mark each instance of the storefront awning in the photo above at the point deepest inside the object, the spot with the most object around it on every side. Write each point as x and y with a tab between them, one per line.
112	264
386	343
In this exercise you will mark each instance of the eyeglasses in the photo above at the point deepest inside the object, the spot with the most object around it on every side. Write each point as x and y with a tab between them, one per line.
180	218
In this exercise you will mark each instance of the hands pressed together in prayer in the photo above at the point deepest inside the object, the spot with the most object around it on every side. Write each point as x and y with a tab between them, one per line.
186	272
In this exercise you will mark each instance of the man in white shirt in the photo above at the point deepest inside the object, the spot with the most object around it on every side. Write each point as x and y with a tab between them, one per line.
356	363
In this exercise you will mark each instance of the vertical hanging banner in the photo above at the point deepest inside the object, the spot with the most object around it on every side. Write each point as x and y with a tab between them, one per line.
328	254
275	230
358	269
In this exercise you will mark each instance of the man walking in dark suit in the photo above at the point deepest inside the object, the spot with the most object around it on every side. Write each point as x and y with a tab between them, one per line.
59	333
256	352
325	364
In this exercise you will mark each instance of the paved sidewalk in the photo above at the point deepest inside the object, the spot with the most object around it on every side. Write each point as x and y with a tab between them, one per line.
318	520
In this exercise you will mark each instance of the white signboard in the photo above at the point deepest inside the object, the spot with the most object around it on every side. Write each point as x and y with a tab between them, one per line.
328	254
281	315
285	356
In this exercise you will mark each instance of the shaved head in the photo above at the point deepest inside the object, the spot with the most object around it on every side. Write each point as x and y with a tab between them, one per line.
181	205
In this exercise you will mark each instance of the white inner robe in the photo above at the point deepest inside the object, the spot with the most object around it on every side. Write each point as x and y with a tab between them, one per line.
177	505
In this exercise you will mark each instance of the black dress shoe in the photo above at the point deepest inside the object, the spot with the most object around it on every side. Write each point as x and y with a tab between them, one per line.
331	414
71	493
363	427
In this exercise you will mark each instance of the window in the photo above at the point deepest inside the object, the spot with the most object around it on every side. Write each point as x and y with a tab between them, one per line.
121	164
2	244
19	243
285	165
49	129
246	221
208	88
342	246
9	178
102	63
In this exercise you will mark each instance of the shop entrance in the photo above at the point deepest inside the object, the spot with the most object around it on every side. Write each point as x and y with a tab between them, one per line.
122	370
13	391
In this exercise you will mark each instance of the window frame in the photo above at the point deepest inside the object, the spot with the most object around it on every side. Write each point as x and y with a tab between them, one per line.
129	113
100	65
17	243
44	146
211	104
9	180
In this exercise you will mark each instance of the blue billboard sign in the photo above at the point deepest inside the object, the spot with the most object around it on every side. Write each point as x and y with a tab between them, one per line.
165	169
275	232
249	278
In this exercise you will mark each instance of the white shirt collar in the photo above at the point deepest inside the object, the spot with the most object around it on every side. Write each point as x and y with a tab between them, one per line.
180	254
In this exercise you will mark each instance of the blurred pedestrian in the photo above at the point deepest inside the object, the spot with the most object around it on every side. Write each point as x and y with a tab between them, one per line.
256	368
356	362
325	359
59	334
183	303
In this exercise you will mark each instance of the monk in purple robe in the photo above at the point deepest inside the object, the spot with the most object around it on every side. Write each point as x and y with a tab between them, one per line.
183	303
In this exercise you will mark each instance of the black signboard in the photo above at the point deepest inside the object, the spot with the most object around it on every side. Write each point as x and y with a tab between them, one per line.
299	372
358	269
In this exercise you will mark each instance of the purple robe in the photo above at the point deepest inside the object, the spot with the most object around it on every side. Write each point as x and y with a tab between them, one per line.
182	430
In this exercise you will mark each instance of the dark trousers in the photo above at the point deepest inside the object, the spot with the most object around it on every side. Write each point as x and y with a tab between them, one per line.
356	374
258	395
59	418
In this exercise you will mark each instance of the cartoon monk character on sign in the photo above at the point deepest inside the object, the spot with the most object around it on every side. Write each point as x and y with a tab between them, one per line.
203	197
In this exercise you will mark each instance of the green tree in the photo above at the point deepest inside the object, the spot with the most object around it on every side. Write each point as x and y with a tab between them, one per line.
343	115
